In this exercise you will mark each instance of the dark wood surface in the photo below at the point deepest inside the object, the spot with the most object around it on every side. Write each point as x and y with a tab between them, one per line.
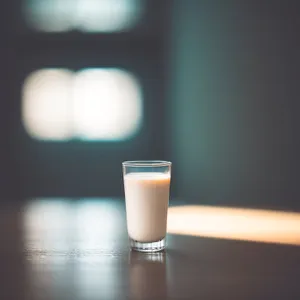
68	249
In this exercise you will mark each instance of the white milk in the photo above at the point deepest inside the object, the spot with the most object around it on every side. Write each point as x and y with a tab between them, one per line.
147	199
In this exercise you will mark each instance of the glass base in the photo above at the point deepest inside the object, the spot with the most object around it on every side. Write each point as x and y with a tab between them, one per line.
148	247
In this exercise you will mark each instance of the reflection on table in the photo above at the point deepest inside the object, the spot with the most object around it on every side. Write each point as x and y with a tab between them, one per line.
78	249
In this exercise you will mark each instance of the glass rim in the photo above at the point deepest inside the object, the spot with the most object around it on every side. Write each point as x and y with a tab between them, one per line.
146	163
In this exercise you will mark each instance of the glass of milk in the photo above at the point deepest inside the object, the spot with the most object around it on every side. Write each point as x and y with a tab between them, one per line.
147	189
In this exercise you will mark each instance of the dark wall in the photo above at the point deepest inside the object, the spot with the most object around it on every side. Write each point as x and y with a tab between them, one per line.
235	101
232	115
32	168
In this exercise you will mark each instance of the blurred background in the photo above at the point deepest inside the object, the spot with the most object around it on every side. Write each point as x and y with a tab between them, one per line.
212	86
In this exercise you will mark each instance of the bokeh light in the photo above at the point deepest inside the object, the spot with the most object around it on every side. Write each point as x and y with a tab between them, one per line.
107	104
47	104
92	104
84	15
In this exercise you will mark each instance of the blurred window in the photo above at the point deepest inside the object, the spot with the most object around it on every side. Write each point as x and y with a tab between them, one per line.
84	15
103	104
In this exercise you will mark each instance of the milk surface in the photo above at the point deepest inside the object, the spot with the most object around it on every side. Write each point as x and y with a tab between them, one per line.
147	199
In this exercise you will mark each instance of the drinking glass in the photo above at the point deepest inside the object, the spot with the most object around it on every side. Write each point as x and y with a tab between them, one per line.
147	189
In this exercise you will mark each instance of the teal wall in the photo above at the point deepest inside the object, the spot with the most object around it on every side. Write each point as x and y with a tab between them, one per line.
234	102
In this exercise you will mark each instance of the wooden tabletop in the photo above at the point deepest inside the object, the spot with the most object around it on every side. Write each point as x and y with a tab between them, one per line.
78	249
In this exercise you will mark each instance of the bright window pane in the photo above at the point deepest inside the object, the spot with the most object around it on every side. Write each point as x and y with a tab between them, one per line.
84	15
92	104
107	104
46	104
50	15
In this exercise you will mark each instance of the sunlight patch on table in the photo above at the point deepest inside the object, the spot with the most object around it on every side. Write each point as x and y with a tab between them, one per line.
235	224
